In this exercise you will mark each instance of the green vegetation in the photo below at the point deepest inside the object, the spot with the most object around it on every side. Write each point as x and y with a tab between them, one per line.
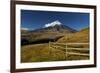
36	38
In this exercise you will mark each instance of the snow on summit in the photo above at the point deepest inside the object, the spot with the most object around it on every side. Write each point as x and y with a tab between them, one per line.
52	24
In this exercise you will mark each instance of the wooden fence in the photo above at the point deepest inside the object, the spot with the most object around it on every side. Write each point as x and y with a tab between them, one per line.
64	46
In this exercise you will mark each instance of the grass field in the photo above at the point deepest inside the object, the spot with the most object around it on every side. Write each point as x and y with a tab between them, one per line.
41	52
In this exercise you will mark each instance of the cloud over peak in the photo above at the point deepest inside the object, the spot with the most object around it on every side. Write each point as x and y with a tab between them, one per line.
24	28
53	24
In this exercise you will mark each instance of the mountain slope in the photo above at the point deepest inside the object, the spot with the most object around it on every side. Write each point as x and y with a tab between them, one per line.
81	36
51	32
55	26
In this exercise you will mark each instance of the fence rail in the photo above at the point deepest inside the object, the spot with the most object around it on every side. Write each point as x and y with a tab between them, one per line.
70	43
77	54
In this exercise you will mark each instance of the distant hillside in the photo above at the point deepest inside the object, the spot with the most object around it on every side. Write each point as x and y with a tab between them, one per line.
37	38
24	31
81	36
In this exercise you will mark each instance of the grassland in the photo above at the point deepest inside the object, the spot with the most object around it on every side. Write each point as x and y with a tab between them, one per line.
42	52
81	37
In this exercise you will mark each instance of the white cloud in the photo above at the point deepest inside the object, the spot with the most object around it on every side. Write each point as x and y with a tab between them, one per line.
24	28
53	23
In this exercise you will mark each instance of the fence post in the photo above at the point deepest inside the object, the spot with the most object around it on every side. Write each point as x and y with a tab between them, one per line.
66	51
50	49
49	46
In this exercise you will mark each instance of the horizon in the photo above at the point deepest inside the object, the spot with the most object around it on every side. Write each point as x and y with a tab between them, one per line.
33	19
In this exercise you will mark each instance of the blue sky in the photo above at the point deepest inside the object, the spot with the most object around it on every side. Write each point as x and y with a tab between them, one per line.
32	19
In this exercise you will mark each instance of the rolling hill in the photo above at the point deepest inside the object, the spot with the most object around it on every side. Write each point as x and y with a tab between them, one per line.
81	37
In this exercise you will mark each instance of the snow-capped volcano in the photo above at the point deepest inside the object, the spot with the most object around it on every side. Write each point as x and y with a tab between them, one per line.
53	24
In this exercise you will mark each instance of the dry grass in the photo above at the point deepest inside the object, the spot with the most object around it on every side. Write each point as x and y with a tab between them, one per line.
80	37
42	52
